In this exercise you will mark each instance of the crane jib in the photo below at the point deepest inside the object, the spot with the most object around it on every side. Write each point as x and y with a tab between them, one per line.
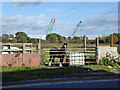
76	28
50	27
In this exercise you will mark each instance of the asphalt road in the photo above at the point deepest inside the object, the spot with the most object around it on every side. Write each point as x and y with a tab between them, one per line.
73	84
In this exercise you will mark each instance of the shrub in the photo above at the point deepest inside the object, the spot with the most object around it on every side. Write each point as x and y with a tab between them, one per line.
110	60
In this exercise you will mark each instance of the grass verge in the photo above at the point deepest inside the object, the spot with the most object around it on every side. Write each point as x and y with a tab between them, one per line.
43	72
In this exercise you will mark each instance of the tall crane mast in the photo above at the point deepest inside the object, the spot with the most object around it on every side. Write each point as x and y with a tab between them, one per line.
76	28
50	27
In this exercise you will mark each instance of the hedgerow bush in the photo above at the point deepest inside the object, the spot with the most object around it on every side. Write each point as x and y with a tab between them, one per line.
110	60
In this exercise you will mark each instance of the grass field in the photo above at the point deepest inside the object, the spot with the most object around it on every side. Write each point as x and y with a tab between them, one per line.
42	72
46	56
71	47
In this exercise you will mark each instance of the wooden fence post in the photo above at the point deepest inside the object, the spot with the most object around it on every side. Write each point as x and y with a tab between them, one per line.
0	47
96	54
43	57
85	45
39	48
111	40
1	55
31	48
23	56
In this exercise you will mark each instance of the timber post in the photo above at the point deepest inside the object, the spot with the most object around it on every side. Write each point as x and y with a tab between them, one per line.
96	54
85	45
0	47
39	48
1	55
23	55
31	48
111	43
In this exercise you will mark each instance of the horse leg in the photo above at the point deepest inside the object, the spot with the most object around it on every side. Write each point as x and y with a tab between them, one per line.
50	62
60	62
53	59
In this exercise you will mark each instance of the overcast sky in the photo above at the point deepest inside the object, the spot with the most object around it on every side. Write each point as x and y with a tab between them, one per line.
98	18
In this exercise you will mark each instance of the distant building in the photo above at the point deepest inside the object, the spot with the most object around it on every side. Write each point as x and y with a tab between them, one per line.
38	36
44	36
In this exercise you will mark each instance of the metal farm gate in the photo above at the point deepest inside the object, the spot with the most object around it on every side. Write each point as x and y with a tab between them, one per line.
75	56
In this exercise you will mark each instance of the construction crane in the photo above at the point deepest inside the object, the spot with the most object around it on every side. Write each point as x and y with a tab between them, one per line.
76	28
50	27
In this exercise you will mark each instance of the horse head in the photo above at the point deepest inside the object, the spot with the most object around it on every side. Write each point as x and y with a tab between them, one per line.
65	45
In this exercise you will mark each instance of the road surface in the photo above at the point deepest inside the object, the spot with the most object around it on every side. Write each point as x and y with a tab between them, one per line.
110	83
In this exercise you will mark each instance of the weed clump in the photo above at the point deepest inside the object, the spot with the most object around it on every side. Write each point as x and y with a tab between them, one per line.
110	60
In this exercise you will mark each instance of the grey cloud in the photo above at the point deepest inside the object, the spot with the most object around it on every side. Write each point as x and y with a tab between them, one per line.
101	20
22	4
98	25
109	11
28	24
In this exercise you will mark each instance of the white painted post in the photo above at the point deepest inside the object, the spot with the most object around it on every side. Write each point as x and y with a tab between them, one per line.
23	56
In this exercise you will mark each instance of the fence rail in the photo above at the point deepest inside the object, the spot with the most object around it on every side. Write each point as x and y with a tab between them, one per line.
8	47
44	52
90	54
17	43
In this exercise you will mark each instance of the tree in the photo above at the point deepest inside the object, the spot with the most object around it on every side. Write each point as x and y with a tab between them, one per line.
115	38
60	38
104	39
76	40
119	38
5	35
33	40
5	38
11	36
14	40
107	39
69	39
101	40
54	38
65	40
0	38
22	37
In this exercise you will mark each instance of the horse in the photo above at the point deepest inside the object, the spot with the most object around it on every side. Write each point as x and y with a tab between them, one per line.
59	53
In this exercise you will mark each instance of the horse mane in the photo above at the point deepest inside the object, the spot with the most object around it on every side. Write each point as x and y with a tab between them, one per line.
63	47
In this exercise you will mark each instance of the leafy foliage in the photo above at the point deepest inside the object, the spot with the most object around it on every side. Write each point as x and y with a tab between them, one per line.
106	39
77	40
54	38
110	60
22	37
